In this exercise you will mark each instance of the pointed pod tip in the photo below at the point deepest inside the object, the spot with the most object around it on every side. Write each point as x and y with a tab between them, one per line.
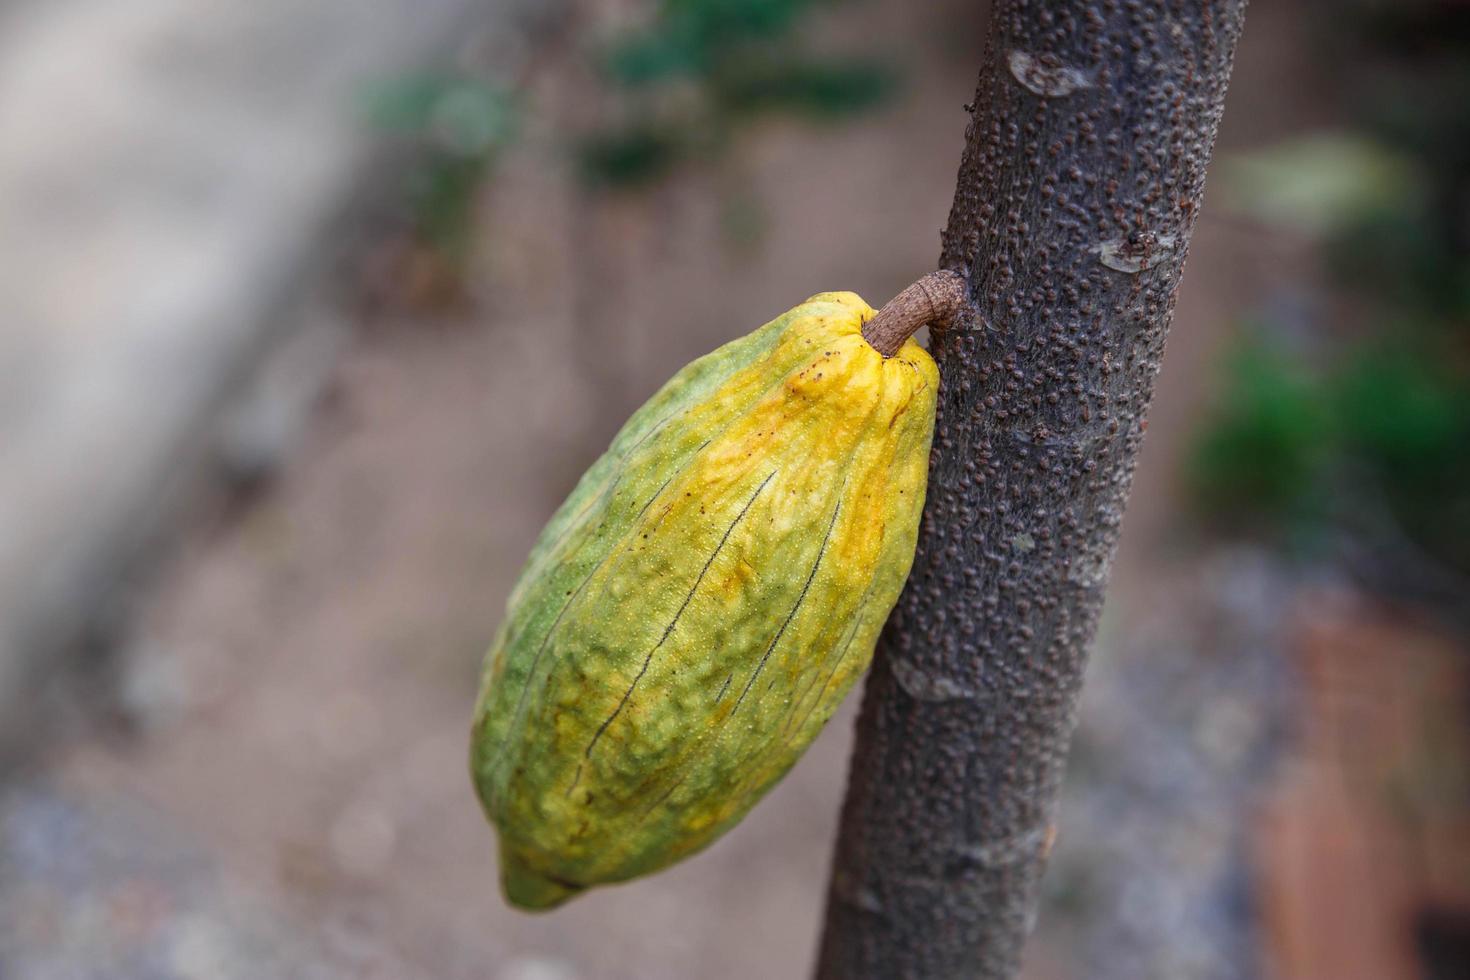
529	890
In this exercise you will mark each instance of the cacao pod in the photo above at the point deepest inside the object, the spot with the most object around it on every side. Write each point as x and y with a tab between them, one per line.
698	607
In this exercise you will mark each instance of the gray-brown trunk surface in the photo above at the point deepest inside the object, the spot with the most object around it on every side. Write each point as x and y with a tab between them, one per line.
1081	178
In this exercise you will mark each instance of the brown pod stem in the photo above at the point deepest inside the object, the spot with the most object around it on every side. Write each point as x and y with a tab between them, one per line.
932	299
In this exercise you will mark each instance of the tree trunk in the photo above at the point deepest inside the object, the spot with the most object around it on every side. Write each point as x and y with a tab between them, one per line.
1081	178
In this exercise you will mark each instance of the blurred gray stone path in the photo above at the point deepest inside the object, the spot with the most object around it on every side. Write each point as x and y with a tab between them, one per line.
105	890
171	172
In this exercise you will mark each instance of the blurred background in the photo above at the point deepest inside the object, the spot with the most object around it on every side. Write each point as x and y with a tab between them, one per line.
311	311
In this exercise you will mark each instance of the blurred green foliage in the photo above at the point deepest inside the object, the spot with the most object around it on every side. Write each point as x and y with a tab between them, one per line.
1264	449
693	38
1322	183
679	88
1377	420
1300	448
458	125
700	68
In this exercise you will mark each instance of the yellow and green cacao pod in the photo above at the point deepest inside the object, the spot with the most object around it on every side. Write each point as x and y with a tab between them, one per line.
701	603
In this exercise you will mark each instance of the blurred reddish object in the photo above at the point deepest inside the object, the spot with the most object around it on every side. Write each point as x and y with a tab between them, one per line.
1368	835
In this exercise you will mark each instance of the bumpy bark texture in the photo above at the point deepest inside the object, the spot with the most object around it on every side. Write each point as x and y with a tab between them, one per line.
1079	186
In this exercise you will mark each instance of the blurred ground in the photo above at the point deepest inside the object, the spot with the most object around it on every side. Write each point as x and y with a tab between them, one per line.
279	789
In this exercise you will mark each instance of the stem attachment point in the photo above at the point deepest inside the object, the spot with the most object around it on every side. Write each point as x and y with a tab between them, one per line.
935	298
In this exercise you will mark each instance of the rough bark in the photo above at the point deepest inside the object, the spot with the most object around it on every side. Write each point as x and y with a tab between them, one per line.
1081	178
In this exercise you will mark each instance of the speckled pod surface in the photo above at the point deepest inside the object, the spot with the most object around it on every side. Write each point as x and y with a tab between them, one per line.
699	606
